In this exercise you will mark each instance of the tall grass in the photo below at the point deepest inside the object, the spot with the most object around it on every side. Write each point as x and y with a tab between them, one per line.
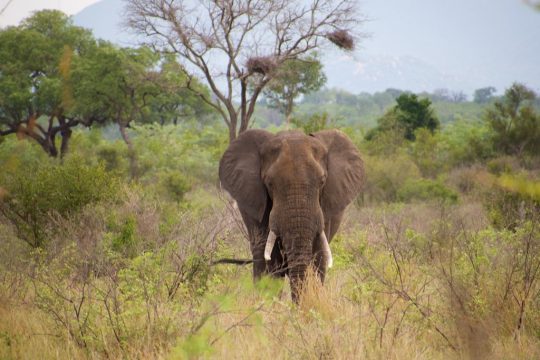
412	281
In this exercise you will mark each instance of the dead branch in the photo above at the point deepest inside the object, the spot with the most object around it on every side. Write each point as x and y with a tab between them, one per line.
231	43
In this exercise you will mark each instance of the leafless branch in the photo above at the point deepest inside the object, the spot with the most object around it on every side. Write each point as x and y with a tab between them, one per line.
215	40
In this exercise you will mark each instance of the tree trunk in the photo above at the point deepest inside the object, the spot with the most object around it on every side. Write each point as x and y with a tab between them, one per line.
49	145
133	164
232	132
66	136
288	112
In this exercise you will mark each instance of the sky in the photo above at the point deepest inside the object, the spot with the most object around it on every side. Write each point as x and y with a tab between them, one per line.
472	43
414	44
19	9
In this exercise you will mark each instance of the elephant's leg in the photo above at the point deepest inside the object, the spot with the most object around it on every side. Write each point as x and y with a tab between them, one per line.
257	244
258	234
277	266
257	241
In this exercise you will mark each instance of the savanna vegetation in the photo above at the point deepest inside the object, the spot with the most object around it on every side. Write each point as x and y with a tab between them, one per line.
111	215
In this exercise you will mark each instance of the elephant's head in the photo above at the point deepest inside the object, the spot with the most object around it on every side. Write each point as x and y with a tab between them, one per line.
292	185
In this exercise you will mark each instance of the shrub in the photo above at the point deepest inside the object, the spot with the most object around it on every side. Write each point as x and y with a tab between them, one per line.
187	150
314	122
35	194
503	164
426	190
465	142
113	157
176	185
512	200
426	153
386	175
466	179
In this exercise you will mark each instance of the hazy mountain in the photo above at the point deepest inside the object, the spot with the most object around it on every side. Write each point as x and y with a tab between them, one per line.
418	45
372	73
105	20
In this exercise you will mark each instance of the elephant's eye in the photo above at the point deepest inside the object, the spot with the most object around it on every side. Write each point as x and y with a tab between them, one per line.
268	183
323	179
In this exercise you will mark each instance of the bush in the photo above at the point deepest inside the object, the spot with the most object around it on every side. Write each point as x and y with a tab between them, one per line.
113	157
467	179
426	153
314	122
188	150
466	142
386	175
36	194
176	185
426	190
503	164
512	200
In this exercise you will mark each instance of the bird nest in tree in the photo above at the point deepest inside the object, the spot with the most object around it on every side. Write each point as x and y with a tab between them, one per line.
342	39
261	64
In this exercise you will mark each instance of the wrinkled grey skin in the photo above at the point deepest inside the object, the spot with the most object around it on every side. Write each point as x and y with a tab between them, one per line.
296	186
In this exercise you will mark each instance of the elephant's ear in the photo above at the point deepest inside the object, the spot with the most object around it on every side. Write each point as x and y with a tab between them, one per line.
240	172
345	171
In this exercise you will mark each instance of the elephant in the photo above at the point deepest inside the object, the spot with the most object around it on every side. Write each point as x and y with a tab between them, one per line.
292	190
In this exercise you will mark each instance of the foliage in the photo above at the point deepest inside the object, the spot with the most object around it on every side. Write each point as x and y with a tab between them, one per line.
136	84
426	152
35	64
426	190
314	122
364	109
466	142
175	156
385	176
36	193
133	277
512	200
484	95
409	114
175	101
48	83
294	77
514	122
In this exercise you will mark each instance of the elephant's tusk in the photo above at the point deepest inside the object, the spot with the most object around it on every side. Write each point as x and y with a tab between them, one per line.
326	250
269	245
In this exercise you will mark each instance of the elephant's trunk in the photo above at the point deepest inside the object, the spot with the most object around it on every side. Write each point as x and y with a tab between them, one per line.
297	219
297	276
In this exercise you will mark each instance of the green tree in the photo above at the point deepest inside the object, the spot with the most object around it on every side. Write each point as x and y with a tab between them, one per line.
294	77
484	95
410	113
135	84
35	66
127	83
175	101
514	122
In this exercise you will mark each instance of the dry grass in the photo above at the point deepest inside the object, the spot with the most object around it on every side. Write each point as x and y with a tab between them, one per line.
387	297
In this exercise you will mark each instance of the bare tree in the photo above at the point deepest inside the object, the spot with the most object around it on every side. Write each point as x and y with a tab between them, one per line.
233	43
